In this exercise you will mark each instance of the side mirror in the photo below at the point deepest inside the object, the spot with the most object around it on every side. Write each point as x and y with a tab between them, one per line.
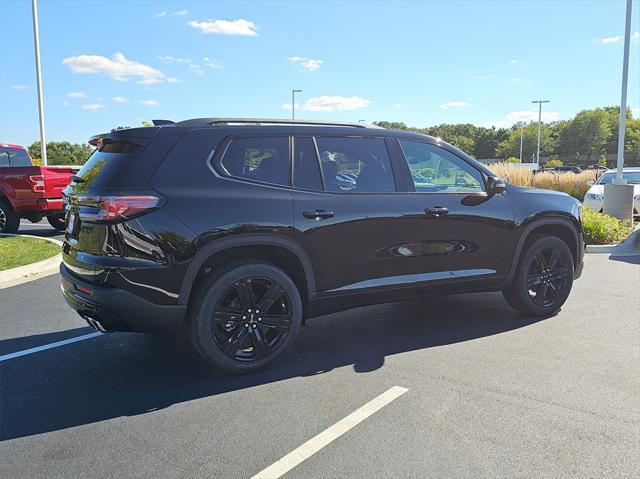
496	185
590	183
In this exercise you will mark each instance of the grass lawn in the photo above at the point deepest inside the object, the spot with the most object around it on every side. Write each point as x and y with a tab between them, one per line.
18	251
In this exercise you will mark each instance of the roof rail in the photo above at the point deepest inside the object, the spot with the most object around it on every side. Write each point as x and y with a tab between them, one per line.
270	121
162	122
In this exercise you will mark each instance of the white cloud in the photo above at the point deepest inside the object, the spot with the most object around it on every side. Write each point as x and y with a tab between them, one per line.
211	63
150	102
119	99
226	27
195	68
173	80
77	94
117	67
635	112
309	64
397	105
169	58
455	104
19	87
93	106
287	106
611	39
635	36
514	61
486	77
335	103
164	13
523	116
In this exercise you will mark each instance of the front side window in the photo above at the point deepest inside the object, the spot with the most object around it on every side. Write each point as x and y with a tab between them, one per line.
259	159
435	170
358	165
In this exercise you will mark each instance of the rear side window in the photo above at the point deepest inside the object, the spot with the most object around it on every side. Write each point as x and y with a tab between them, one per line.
306	170
14	157
358	165
106	165
264	159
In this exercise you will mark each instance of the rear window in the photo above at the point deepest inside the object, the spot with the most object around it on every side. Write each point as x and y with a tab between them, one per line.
106	165
14	157
264	159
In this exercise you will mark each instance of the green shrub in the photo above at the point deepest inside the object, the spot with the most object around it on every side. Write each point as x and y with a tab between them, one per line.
604	229
553	163
512	159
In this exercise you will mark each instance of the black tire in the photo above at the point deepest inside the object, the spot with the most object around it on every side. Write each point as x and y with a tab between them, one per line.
544	277
237	339
57	221
9	220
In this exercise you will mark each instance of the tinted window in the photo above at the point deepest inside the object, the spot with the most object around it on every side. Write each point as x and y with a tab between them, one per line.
260	159
107	165
359	165
14	157
435	170
306	170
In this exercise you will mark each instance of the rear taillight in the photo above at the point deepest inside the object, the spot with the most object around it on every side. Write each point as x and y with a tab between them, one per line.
37	183
116	208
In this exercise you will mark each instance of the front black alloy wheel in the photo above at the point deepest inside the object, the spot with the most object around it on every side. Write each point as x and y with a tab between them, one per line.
245	317
544	277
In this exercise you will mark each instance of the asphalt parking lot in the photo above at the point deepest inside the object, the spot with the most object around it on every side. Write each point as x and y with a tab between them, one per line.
488	393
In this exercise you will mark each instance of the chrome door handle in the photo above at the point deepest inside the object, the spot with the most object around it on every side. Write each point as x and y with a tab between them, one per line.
318	214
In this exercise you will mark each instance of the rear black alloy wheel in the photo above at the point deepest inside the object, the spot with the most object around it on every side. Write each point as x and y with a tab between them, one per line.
245	317
543	279
57	221
9	220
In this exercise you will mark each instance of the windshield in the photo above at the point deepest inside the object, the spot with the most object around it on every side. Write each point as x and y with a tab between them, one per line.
632	177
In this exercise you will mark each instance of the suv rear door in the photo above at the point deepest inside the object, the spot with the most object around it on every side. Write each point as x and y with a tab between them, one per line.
466	235
359	235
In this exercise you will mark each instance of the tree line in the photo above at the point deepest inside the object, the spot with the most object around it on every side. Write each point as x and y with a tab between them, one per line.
585	138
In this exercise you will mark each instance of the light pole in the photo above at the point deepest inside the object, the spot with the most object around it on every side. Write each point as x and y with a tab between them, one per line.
36	42
293	103
521	137
618	197
539	102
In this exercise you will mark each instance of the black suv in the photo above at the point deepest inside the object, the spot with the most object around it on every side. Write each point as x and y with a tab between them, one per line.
238	230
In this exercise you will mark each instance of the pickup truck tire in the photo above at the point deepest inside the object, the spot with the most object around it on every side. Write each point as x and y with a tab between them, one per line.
9	220
57	221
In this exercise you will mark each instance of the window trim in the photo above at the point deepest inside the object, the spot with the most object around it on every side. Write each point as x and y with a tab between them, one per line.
410	186
217	155
293	163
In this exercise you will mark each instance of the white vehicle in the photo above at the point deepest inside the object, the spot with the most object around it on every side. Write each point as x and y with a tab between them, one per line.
594	198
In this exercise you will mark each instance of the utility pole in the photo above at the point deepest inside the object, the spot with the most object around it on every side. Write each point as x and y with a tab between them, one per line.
36	42
539	102
293	103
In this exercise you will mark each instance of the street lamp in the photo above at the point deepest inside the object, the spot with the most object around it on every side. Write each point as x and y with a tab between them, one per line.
539	102
36	44
293	103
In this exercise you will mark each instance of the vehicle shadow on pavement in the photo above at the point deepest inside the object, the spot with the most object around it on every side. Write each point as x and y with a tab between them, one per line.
119	375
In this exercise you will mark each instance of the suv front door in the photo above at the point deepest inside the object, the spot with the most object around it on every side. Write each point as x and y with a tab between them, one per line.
357	226
465	234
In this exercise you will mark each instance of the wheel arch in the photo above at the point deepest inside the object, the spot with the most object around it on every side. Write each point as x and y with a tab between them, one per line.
282	252
560	227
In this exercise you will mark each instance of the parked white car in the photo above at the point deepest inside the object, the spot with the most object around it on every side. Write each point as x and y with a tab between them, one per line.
594	198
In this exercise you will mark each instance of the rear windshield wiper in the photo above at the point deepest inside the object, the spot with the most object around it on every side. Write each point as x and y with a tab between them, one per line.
77	179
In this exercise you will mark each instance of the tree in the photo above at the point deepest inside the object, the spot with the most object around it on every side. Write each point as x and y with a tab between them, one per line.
62	152
588	133
553	163
510	146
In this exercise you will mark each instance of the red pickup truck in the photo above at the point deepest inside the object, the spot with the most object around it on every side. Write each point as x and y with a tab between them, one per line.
28	191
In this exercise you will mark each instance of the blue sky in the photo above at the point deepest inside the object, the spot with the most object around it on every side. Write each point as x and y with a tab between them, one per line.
116	63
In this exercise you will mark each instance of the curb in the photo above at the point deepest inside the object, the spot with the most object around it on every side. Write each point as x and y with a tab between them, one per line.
31	272
629	247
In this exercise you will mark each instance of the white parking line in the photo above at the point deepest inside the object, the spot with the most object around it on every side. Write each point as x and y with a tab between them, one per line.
313	445
24	352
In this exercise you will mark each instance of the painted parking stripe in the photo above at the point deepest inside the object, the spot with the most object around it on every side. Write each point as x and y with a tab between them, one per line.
315	444
24	352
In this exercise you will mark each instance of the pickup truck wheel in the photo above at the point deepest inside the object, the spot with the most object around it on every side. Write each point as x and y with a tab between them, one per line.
245	317
57	221
9	220
544	277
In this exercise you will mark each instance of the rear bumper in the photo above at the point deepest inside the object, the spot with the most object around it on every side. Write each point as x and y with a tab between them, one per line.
50	205
112	309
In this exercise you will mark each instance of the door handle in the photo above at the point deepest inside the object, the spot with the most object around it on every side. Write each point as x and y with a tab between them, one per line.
436	211
318	214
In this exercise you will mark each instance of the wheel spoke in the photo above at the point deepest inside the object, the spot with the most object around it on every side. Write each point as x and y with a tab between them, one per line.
533	280
560	273
270	296
245	294
235	341
277	321
554	258
542	294
227	315
260	345
540	262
